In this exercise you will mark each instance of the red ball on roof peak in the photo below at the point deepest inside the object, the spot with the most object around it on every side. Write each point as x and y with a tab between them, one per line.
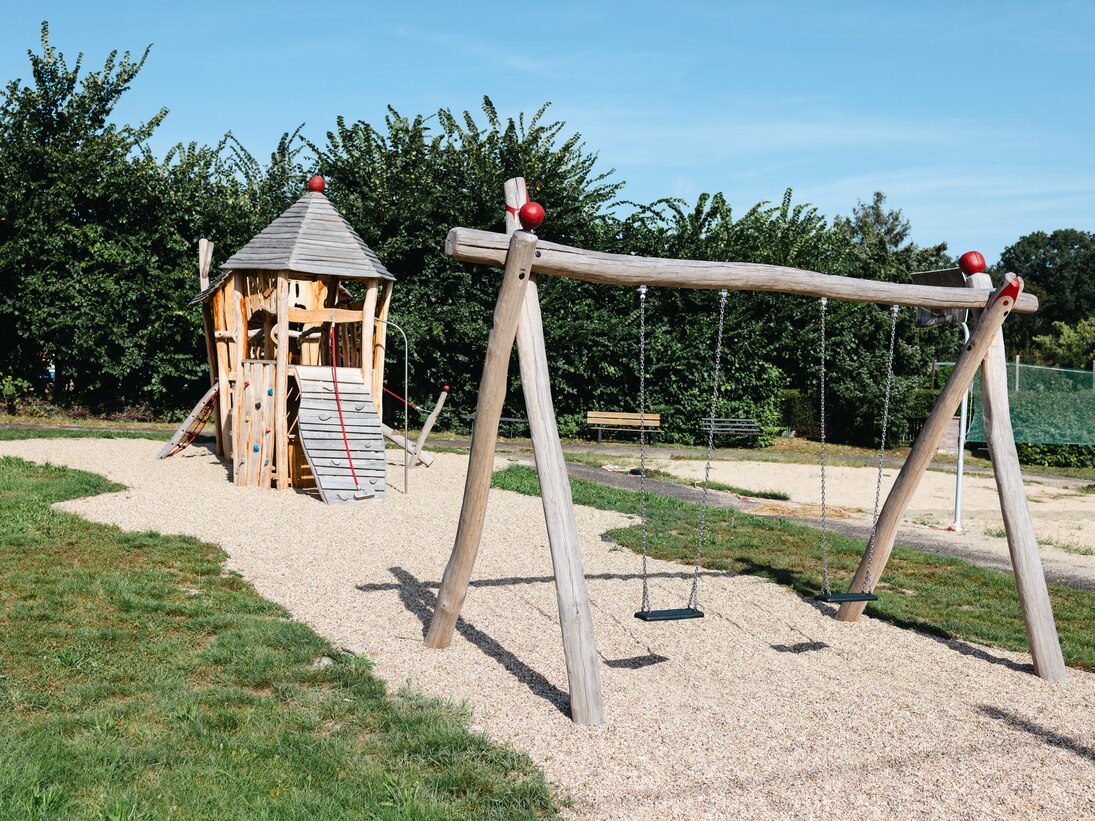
317	183
972	262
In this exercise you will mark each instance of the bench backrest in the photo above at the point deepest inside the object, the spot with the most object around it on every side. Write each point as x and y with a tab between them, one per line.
748	427
619	419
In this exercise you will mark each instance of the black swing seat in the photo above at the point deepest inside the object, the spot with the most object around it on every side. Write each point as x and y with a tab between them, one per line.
673	614
840	598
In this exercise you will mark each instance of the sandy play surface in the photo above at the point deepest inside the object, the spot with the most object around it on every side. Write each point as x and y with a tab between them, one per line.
766	708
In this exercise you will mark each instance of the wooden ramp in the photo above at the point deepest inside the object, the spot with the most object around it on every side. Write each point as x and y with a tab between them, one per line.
322	437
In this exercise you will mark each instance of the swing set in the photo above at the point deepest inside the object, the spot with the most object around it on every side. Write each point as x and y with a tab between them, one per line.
517	318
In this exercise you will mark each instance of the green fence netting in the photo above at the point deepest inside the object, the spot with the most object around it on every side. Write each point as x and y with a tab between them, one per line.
1051	406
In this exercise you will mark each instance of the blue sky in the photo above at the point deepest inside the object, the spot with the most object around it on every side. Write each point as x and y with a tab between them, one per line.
976	119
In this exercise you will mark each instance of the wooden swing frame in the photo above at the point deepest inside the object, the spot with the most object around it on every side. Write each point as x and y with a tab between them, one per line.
517	317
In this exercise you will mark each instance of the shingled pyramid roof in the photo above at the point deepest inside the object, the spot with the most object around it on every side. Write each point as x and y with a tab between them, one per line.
311	237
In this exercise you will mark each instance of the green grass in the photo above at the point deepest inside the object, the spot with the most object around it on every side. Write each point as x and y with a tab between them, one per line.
943	596
599	460
12	434
139	680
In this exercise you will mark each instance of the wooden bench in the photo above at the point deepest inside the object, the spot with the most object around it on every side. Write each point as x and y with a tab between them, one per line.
619	421
732	426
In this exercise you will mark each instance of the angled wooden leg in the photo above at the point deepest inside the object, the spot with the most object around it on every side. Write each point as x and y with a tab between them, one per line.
575	618
488	411
927	442
1026	562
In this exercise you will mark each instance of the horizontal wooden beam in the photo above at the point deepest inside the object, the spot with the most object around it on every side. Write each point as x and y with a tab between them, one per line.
487	248
321	315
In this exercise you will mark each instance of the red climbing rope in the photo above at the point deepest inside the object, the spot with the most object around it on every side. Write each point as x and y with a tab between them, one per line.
338	404
401	399
196	427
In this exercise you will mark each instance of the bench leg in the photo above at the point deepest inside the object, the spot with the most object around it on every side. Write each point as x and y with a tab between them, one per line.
600	435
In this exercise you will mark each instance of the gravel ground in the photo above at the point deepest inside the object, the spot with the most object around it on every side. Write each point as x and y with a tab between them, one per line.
766	708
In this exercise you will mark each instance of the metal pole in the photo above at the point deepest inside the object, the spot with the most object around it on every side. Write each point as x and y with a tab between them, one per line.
962	414
406	403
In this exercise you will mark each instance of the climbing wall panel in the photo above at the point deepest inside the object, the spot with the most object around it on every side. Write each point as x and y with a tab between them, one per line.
253	431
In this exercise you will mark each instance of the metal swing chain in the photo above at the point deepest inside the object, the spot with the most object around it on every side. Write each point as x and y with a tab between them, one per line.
882	446
694	596
824	523
642	440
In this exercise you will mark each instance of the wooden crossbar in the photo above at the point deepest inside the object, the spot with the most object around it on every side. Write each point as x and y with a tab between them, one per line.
487	248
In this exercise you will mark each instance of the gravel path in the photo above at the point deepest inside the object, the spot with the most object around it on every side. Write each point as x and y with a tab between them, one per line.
766	708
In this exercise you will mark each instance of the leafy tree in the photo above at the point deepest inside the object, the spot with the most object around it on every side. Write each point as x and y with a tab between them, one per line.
1059	268
1069	346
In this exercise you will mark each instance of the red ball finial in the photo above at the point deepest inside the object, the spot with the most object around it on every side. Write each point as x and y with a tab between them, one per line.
317	184
531	215
972	262
445	389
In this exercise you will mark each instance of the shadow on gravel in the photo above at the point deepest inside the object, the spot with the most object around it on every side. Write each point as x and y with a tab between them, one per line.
635	662
1046	735
801	647
979	653
420	600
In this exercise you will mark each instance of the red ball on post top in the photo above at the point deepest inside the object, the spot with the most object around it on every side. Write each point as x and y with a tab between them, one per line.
972	262
445	389
531	215
317	184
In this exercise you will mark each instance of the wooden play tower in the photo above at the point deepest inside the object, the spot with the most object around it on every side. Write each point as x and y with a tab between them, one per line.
296	363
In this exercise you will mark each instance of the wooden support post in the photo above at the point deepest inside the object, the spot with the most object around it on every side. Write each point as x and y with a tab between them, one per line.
281	386
492	395
1030	579
235	296
575	617
927	441
205	258
398	440
380	346
428	426
368	327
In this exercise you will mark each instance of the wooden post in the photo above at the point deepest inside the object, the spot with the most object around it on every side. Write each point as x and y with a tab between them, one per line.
1030	579
575	618
492	395
368	326
380	342
281	386
428	425
209	324
927	441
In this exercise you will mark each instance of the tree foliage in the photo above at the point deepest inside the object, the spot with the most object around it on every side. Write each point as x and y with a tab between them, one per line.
1059	268
97	255
1069	346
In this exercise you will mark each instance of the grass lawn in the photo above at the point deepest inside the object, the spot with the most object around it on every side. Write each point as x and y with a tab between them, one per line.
939	595
139	680
11	434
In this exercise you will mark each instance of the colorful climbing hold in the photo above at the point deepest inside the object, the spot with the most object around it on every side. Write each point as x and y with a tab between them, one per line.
255	448
269	391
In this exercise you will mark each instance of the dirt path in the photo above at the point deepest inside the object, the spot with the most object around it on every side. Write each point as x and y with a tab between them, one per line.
767	708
